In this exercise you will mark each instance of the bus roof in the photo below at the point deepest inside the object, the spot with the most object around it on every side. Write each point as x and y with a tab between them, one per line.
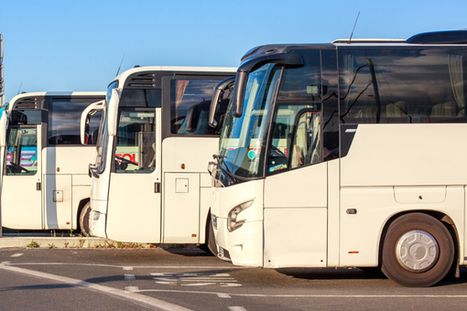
439	37
21	96
136	69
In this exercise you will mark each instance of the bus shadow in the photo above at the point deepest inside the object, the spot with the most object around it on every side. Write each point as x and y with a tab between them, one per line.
332	273
186	250
358	274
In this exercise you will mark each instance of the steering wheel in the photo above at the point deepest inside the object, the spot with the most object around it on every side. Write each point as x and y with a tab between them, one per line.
16	166
126	160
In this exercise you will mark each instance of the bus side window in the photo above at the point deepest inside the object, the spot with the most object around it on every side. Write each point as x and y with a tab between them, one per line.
307	143
22	151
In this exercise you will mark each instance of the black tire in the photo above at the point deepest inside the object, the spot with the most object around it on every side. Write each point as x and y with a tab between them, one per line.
210	245
84	219
436	266
211	240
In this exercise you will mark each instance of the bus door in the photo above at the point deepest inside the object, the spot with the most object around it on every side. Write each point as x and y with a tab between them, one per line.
297	197
134	204
22	184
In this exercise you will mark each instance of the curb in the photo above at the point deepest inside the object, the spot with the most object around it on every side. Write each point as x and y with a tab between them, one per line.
51	242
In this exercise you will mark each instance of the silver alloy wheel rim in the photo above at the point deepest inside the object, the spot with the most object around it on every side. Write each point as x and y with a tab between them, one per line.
417	251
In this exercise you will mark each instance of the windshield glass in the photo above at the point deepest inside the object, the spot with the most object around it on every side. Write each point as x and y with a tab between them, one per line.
103	133
243	140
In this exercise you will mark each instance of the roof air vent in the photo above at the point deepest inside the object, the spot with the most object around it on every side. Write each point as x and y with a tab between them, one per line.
440	37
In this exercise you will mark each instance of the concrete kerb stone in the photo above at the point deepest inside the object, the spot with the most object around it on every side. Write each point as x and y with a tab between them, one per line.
52	242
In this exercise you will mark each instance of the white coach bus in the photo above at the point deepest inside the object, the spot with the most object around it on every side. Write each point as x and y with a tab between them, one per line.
347	154
45	182
150	183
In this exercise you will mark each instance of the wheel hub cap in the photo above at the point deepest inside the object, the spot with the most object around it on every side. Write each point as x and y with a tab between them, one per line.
417	251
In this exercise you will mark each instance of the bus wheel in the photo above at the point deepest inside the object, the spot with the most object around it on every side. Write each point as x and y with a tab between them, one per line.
84	219
418	250
211	240
210	245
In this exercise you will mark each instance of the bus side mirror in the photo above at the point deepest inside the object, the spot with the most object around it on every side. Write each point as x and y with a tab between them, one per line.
112	112
291	59
85	117
217	98
3	127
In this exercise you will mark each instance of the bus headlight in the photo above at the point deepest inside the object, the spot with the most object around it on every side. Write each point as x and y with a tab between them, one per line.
232	222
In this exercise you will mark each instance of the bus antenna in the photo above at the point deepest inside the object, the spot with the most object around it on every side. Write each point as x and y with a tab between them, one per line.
19	89
121	64
356	20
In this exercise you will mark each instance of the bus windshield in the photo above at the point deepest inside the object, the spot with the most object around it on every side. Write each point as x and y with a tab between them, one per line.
243	140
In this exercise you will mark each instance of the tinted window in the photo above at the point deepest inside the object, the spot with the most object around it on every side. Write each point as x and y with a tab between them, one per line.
141	98
64	121
402	85
26	117
190	102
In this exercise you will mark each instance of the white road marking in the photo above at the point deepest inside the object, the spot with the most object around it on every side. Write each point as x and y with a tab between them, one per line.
17	255
119	266
301	296
209	279
237	309
166	283
128	268
230	285
154	303
131	289
222	295
195	279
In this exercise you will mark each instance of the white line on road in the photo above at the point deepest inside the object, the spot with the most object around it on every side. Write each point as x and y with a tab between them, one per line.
118	266
126	295
131	289
208	279
237	309
222	295
17	255
303	296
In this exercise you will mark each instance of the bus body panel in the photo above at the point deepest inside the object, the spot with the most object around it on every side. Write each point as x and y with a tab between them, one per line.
333	233
58	199
361	247
188	155
125	220
184	162
296	199
181	207
412	154
68	160
65	167
245	243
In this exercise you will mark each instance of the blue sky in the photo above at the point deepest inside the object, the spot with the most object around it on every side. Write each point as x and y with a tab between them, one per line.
78	45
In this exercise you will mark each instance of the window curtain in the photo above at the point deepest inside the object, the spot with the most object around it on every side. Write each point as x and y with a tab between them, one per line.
456	74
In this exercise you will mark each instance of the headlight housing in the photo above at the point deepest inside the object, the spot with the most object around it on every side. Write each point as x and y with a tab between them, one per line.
214	221
96	215
232	219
